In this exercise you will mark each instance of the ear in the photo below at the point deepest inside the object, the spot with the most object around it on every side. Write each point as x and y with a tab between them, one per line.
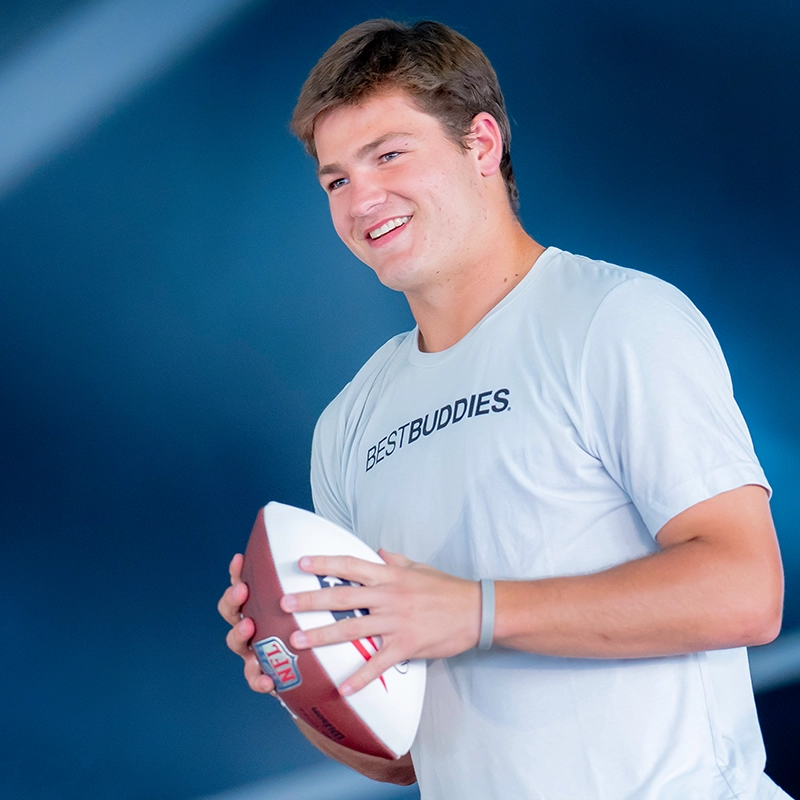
486	143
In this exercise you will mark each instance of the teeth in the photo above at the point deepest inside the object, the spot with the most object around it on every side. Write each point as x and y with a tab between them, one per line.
388	226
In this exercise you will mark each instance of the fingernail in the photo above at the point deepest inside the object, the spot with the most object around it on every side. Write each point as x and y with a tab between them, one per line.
346	689
289	602
299	639
305	562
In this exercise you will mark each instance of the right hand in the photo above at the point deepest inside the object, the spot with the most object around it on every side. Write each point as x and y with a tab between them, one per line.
242	629
400	771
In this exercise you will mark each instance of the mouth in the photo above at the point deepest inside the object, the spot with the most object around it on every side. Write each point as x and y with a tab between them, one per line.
387	227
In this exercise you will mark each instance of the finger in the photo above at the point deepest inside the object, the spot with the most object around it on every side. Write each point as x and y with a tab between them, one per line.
348	567
239	636
345	630
235	568
255	677
371	671
231	602
337	599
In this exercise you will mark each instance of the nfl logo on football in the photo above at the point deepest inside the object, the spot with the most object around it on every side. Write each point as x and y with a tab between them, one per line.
278	662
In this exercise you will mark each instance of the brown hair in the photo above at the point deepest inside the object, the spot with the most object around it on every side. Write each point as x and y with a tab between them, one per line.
448	76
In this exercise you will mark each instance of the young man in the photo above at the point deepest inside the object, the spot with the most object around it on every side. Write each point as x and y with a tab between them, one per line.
563	426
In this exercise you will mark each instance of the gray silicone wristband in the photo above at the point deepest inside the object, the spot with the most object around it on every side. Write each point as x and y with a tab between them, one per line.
487	614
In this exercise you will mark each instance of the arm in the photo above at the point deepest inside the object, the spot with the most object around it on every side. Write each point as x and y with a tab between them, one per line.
400	771
715	583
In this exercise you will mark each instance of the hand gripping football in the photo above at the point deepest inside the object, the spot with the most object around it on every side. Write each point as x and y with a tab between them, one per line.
379	720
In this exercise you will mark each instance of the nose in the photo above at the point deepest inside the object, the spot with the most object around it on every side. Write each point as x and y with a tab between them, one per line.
366	193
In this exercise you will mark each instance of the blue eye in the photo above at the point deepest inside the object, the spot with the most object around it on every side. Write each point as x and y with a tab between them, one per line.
389	156
337	183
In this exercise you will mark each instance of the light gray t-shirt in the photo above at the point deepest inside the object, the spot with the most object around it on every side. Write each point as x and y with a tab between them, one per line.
589	407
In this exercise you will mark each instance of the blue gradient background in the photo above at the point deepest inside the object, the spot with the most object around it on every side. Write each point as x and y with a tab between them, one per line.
175	311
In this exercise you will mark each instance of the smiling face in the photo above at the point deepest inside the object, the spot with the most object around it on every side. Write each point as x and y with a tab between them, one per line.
405	198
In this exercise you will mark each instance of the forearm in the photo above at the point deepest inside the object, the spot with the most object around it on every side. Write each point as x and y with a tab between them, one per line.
632	611
399	771
699	593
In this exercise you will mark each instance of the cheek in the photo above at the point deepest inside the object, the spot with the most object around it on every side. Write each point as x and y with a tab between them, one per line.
340	221
343	225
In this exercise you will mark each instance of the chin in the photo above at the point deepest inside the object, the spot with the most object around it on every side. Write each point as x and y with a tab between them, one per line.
402	282
399	274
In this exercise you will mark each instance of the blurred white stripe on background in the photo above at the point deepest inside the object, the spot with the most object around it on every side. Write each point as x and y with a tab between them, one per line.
776	664
54	90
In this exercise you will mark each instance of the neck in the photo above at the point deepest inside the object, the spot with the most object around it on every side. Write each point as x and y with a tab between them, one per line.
448	311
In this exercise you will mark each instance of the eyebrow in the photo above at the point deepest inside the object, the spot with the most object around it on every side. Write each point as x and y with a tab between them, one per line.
369	147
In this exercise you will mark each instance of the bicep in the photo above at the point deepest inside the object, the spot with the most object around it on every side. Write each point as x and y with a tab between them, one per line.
736	519
732	539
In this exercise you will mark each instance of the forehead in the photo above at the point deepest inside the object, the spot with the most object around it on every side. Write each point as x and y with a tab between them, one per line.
345	130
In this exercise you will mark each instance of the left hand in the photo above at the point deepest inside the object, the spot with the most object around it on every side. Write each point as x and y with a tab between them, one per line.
418	611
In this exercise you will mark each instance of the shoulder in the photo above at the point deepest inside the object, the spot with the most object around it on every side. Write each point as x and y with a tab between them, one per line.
583	308
615	316
587	284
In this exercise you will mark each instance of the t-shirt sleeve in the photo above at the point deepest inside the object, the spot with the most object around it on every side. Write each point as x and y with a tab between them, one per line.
334	439
327	457
658	402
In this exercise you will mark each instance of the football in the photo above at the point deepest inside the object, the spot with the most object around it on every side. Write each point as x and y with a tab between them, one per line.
379	720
